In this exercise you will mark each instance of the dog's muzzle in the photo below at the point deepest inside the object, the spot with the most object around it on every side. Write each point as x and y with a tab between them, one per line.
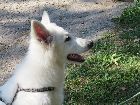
90	44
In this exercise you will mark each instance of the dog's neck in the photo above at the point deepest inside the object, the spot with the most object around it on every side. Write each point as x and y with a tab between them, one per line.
45	56
41	70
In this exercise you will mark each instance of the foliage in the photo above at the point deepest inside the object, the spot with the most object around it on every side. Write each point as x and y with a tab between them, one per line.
131	16
111	73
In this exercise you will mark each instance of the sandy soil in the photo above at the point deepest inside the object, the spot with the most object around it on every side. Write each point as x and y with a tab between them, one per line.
83	18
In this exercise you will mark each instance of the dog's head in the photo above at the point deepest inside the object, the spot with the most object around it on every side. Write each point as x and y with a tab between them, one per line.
56	41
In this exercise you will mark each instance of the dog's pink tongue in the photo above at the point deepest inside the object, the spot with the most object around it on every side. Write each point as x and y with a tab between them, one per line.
75	57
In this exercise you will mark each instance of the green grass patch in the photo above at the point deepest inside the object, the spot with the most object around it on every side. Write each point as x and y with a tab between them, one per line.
111	73
130	16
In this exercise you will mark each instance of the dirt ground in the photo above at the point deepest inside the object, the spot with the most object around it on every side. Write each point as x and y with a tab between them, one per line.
82	18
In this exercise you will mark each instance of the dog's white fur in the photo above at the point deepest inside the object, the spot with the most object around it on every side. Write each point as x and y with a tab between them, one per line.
43	66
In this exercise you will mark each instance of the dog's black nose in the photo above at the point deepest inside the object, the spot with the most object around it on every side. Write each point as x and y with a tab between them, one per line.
90	44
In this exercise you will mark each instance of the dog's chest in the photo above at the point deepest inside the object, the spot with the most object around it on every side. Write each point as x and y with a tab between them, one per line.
45	98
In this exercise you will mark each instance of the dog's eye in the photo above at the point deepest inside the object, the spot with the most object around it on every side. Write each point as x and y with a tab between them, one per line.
67	39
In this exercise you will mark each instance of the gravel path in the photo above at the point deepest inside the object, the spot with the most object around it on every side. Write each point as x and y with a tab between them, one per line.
83	18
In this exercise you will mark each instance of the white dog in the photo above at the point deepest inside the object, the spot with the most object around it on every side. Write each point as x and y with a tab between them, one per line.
39	79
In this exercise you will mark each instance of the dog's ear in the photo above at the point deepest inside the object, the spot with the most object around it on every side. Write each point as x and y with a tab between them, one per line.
39	32
45	18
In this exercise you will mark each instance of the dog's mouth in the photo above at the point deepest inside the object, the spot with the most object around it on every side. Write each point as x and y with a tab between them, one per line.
75	57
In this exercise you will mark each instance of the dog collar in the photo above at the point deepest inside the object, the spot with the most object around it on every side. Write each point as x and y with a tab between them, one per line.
44	89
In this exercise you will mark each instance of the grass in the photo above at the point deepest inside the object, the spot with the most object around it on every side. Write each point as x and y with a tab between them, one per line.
130	18
111	73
